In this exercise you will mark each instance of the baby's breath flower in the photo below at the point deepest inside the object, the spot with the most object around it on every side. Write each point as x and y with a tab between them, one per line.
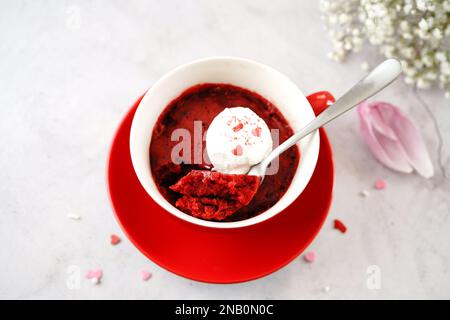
437	33
423	24
415	31
446	5
365	66
447	95
422	83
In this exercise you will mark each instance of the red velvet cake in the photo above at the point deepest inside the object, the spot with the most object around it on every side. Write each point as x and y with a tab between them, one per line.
189	185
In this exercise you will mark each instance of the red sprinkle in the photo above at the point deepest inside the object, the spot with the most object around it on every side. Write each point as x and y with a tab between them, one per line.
114	239
256	132
340	226
238	127
237	151
380	184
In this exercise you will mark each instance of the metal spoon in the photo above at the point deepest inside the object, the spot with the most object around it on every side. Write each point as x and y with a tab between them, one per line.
377	79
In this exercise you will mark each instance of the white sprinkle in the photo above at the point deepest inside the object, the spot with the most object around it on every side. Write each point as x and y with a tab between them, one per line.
95	280
326	289
364	193
73	216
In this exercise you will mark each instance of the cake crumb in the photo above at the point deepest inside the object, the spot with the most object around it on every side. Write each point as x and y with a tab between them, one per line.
73	216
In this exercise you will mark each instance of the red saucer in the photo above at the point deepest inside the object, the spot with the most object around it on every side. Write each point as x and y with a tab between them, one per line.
216	255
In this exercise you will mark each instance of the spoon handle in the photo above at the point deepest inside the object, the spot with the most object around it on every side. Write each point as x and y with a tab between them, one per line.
377	79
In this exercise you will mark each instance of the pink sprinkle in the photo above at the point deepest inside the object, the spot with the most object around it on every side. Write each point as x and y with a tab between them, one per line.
237	151
98	274
256	132
310	257
145	275
380	184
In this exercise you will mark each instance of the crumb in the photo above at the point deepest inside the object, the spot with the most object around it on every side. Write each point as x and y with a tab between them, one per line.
74	216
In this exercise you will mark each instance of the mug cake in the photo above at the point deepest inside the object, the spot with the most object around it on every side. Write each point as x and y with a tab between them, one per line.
199	129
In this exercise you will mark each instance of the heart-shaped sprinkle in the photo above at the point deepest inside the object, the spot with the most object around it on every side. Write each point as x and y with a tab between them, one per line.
145	275
257	132
380	184
237	151
310	257
91	274
114	239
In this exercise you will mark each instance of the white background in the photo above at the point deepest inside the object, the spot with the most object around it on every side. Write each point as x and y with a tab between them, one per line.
66	80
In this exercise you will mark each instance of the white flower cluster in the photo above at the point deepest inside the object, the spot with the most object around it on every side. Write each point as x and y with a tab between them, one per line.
417	32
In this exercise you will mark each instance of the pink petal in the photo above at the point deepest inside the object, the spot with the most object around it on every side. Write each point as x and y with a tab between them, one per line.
393	139
392	156
380	125
410	138
394	151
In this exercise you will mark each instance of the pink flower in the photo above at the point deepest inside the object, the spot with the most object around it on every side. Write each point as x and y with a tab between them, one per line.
393	139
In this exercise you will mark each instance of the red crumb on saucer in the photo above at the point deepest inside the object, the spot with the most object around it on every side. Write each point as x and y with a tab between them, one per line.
380	184
340	226
310	257
213	195
114	239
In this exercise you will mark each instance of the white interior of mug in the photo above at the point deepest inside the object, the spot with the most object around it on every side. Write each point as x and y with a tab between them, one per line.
265	81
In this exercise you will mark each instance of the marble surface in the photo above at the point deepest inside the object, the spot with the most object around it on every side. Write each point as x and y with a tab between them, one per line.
69	70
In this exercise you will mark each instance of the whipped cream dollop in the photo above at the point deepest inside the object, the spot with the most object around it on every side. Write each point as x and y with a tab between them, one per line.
237	139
